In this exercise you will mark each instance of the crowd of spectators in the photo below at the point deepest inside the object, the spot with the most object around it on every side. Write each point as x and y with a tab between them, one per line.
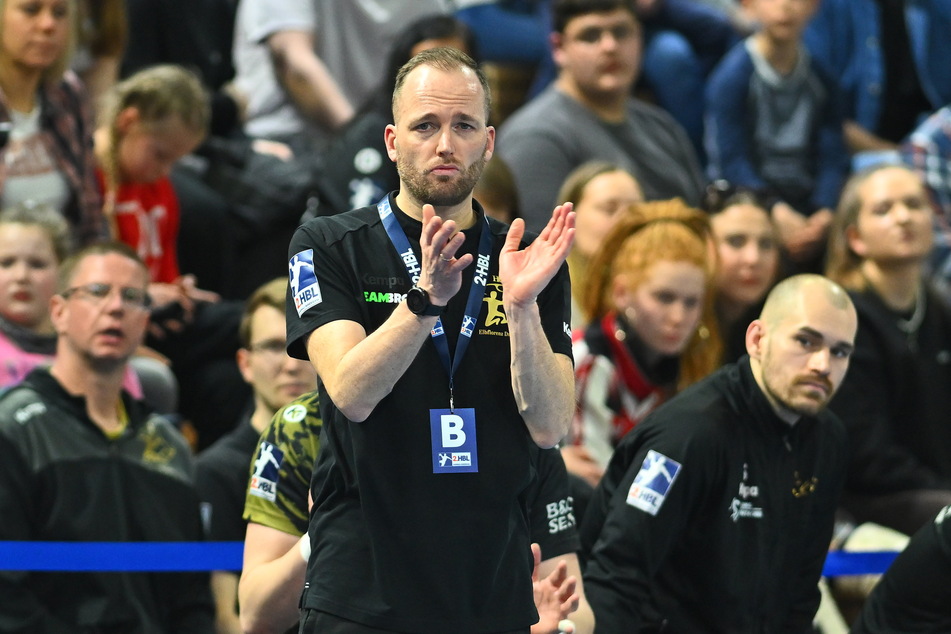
711	148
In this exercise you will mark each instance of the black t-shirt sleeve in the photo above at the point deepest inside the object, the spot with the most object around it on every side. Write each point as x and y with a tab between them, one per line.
551	511
554	305
322	289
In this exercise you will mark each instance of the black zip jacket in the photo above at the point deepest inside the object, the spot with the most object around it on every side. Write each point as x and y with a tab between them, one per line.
727	526
62	479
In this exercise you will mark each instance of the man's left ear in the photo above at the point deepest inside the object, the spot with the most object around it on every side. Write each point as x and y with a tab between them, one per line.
490	142
755	333
389	139
57	310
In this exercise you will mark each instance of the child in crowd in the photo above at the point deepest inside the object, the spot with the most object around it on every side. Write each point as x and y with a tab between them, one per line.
773	123
148	122
34	240
649	294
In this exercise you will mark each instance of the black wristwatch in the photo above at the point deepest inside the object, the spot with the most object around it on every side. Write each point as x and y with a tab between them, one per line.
417	300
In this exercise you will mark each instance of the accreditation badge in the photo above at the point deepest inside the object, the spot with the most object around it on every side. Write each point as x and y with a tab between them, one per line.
454	440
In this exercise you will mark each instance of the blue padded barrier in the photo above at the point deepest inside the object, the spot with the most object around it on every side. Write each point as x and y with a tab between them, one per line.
193	556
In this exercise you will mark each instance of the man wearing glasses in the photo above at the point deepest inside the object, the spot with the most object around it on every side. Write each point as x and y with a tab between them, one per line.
222	470
80	460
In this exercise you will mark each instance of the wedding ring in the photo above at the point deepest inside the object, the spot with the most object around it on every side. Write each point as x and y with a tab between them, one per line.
444	258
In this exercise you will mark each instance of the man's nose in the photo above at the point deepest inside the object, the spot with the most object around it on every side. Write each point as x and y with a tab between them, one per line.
819	361
444	144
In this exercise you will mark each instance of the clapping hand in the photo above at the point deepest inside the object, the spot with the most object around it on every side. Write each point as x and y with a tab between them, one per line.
441	271
525	272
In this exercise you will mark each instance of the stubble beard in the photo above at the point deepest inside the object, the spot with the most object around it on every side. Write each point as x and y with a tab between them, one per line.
440	191
809	408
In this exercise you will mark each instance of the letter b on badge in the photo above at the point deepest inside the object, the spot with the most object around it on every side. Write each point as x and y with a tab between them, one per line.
455	449
453	434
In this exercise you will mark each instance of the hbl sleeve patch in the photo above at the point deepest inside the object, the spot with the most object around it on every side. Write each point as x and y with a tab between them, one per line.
652	482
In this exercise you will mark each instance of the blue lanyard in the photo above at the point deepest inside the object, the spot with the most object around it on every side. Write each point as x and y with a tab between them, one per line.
476	290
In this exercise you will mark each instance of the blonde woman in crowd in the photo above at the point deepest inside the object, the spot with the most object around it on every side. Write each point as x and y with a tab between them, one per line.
895	399
45	129
601	191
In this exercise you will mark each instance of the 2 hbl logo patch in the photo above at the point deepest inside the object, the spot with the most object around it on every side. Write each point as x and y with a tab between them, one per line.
652	482
454	440
267	465
303	279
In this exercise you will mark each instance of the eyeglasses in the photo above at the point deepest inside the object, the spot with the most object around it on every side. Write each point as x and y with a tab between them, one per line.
97	292
272	347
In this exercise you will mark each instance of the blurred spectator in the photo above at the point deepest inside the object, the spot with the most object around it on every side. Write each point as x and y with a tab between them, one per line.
683	41
149	122
356	169
196	34
45	128
222	469
496	192
928	151
887	57
774	123
601	193
83	461
748	260
303	68
895	399
588	114
103	33
652	330
512	32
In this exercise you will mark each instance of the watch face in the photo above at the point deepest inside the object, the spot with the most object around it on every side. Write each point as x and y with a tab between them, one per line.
417	300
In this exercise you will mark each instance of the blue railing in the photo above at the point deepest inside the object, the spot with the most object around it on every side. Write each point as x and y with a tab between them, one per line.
192	556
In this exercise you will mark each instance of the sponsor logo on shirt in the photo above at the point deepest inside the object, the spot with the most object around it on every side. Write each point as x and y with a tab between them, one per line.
303	279
743	508
24	414
157	450
561	515
653	482
295	413
495	322
373	297
267	465
386	281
